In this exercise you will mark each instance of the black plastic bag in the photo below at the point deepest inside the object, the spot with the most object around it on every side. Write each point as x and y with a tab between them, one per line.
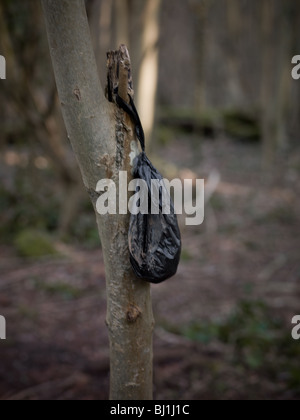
154	239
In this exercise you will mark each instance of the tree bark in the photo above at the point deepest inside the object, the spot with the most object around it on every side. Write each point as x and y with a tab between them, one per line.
102	137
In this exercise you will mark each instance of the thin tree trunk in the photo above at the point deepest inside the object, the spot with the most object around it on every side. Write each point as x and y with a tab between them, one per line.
276	79
122	22
234	28
101	136
268	110
148	72
200	9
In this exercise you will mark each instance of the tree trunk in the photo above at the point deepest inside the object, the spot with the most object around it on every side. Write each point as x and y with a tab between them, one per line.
122	22
276	79
102	136
200	10
148	71
233	61
268	112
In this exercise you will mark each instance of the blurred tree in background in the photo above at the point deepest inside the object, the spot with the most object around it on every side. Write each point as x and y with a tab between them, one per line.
216	65
33	139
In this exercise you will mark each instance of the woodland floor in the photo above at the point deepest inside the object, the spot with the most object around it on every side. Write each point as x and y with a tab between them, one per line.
223	324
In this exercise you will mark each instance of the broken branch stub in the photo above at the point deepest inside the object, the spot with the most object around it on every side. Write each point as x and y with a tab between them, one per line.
119	76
